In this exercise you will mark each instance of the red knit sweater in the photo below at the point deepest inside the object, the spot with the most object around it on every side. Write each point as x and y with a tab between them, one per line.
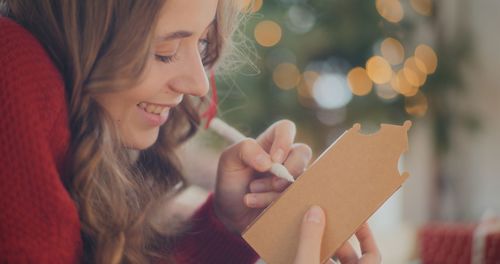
38	220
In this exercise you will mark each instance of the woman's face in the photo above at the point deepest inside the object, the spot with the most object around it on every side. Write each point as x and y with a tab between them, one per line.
174	69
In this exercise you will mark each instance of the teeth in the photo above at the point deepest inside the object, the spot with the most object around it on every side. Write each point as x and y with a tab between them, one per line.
153	109
150	108
158	110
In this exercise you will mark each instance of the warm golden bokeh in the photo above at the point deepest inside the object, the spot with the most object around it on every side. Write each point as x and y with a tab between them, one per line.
379	70
423	7
428	57
286	76
414	71
306	84
385	91
416	105
268	33
251	6
391	10
393	51
359	82
402	86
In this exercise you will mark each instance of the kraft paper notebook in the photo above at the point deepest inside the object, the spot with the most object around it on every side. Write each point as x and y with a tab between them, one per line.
350	181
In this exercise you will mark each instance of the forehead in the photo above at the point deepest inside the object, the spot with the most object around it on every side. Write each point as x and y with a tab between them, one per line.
187	15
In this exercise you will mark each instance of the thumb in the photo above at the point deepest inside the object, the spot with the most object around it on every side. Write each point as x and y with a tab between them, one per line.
311	233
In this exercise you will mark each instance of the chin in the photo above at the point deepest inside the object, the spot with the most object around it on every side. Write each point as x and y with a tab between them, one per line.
142	142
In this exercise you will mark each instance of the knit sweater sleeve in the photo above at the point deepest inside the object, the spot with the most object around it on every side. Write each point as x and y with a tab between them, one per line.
38	220
208	241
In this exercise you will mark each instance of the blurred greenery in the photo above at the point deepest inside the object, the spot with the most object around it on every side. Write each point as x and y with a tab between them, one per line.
335	36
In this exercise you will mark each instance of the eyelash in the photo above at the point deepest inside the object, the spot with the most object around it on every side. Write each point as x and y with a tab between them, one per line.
169	59
165	59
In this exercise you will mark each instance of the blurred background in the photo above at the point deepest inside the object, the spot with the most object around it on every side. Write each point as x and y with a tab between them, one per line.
329	64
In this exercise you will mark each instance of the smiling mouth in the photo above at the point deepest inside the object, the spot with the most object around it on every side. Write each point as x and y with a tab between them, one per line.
154	108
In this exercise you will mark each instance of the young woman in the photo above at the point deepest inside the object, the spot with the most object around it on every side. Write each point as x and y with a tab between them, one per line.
96	98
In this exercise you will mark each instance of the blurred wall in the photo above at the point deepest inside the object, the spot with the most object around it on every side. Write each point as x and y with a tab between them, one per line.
472	168
476	159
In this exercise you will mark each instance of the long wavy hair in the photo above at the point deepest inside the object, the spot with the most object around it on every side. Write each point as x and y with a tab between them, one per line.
103	46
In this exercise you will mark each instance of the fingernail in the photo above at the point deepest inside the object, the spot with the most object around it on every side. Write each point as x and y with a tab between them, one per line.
314	214
262	160
278	156
251	200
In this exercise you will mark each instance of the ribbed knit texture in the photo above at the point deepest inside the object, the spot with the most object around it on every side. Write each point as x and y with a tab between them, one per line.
38	220
209	236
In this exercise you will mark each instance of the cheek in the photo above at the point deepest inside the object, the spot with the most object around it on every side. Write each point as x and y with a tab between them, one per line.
122	108
134	130
117	105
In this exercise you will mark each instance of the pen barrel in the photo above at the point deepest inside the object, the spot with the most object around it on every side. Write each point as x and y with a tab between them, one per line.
226	131
281	171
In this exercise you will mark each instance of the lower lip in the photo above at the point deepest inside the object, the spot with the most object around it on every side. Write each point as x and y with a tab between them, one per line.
154	119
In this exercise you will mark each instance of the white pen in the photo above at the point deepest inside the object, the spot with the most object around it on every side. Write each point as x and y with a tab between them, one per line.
230	133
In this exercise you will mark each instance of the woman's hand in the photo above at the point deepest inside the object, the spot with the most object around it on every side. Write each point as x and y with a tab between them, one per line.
244	187
311	235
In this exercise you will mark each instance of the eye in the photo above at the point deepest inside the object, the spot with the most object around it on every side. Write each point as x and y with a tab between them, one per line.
203	47
165	59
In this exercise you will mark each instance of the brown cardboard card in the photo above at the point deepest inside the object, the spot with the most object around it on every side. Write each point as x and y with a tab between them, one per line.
350	181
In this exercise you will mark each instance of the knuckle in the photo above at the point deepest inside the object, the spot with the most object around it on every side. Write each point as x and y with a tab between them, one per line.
247	144
225	155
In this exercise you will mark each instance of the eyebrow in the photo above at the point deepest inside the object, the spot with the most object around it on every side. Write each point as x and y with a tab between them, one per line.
175	35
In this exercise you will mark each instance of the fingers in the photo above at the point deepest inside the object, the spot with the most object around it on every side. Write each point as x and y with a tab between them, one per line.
298	159
311	234
247	153
296	163
260	200
346	254
278	139
369	248
268	184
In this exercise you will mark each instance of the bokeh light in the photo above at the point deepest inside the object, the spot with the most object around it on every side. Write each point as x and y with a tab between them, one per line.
286	76
331	92
416	105
251	6
428	56
391	10
385	92
300	19
379	70
423	7
268	33
402	86
359	82
393	51
414	71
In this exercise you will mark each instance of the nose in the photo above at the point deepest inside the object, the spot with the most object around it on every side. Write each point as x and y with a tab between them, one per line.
191	76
